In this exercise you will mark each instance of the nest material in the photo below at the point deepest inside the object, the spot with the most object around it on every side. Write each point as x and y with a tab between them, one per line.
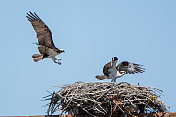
105	98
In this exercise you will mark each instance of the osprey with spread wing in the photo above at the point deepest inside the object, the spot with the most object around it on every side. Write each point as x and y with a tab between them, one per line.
46	47
111	71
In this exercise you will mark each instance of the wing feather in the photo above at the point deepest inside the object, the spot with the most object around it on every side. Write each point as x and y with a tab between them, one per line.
106	69
37	16
44	34
130	68
42	49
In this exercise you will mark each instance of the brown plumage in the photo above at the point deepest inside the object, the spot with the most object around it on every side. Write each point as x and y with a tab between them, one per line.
46	47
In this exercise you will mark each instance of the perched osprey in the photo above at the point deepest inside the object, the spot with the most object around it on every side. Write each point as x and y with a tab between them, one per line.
46	47
111	71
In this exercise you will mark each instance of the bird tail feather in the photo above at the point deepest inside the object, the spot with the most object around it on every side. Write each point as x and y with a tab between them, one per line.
37	57
101	77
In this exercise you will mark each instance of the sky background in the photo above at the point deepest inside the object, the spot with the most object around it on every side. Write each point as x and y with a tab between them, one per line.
91	32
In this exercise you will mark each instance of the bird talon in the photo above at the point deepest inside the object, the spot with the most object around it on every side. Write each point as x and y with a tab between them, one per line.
59	63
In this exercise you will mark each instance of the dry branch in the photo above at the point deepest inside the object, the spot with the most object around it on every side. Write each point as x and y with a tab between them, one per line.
106	98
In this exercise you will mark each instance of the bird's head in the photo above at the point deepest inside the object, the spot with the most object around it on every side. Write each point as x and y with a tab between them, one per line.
114	60
59	51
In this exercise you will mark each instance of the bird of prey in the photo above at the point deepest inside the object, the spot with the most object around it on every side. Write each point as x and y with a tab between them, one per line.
111	71
46	47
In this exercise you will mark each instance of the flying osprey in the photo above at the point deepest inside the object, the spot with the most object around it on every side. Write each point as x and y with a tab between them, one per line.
111	71
46	47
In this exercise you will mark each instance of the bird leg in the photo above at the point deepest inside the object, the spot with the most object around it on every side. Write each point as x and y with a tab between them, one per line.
58	60
113	78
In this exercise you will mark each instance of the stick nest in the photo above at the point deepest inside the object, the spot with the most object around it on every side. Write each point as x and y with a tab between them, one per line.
105	98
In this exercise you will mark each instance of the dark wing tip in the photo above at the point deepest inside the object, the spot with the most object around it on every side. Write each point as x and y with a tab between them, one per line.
37	15
30	12
139	69
32	16
137	64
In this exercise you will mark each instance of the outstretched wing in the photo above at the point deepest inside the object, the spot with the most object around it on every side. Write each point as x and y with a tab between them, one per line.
44	34
129	68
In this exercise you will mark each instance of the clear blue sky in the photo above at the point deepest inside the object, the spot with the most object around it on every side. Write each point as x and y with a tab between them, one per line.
91	32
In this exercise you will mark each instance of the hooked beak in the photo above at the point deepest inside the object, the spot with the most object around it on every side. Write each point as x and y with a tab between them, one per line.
62	50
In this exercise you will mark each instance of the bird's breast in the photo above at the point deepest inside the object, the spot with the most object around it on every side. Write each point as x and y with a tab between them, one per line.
112	71
51	53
